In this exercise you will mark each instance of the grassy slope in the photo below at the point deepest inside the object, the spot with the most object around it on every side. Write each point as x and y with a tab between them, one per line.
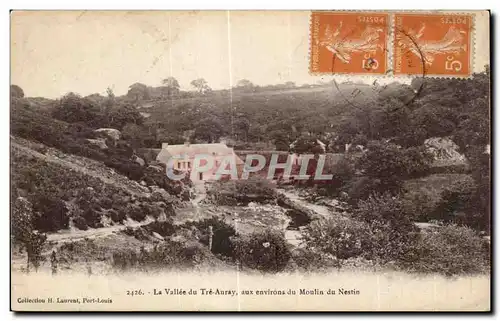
326	99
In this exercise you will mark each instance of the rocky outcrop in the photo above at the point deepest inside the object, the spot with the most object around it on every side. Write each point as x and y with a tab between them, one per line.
112	133
99	142
443	148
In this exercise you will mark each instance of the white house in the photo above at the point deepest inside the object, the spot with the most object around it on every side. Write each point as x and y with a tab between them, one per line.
182	158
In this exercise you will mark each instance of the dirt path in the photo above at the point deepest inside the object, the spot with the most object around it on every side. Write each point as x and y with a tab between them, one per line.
72	235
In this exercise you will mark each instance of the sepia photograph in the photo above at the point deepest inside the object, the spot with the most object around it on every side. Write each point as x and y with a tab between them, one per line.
250	160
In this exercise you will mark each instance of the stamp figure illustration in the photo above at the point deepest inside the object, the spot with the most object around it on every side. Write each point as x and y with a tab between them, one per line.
349	42
432	44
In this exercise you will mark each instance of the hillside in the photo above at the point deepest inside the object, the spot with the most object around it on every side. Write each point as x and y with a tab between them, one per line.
93	195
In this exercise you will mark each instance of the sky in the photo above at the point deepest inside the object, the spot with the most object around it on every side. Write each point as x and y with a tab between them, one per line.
56	52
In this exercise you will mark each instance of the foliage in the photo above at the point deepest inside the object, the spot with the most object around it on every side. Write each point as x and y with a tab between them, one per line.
388	164
456	202
449	249
52	213
166	254
265	251
307	145
392	229
253	189
201	85
222	234
163	228
171	86
16	92
341	237
80	223
23	232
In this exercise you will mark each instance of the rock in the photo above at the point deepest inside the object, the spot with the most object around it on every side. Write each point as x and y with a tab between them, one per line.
143	183
112	133
99	142
155	168
158	236
443	148
138	160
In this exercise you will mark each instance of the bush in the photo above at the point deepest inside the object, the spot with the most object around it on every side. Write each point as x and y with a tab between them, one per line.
419	205
341	237
92	218
384	208
312	260
52	213
265	251
360	188
222	234
165	228
254	189
80	223
136	213
389	164
298	218
117	216
450	249
167	254
455	201
392	230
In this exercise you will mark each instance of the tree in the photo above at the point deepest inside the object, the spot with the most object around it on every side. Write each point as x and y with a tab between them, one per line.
209	129
16	91
110	101
138	92
72	108
307	144
388	164
134	134
23	232
245	83
118	116
171	86
201	85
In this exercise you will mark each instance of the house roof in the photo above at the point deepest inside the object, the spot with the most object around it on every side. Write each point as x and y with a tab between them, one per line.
191	150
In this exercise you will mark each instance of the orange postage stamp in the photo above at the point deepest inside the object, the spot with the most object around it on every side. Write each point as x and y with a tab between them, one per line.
348	42
432	44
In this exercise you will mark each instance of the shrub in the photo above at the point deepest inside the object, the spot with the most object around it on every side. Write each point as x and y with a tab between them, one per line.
222	234
254	189
308	259
106	202
152	210
164	228
389	164
299	218
167	254
265	251
80	223
341	237
360	188
92	218
117	216
419	205
52	213
136	213
392	230
449	249
384	208
455	202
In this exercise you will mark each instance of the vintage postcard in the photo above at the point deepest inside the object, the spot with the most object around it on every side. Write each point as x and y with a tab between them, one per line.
250	161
